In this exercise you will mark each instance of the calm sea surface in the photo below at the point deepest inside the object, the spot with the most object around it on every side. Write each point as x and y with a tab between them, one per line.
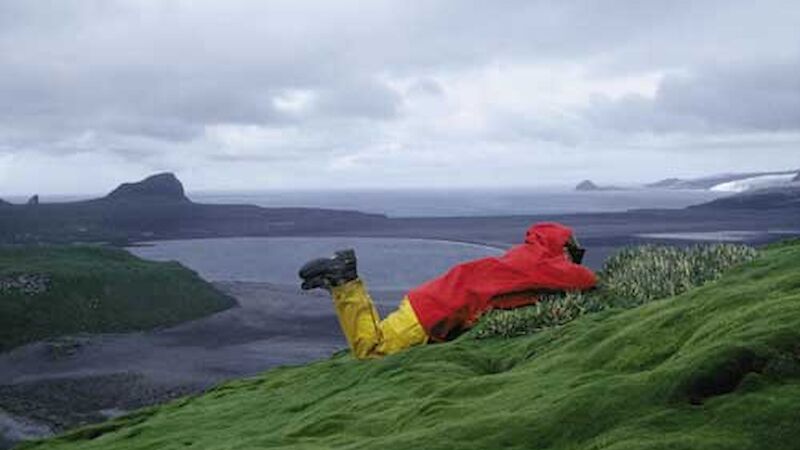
461	202
383	263
449	203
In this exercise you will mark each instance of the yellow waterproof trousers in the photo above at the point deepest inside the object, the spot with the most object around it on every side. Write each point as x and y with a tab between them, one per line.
368	336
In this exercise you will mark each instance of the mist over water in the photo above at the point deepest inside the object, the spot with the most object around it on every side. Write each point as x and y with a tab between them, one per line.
468	202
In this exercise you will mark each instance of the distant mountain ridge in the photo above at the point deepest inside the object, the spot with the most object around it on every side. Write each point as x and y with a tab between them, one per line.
785	198
725	182
710	181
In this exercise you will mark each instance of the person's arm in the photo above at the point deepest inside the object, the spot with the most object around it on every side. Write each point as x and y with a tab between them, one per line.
564	275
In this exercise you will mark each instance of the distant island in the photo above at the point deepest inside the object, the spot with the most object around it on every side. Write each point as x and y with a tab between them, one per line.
589	185
157	208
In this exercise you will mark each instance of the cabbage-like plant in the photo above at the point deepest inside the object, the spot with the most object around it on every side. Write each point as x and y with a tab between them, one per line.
631	277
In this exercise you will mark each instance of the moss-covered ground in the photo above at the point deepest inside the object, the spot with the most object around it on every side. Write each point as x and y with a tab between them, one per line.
81	289
717	367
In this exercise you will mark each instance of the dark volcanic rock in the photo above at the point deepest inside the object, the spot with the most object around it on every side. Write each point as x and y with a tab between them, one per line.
34	200
587	185
160	187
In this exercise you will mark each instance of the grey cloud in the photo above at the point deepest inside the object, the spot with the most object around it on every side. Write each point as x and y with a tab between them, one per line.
738	98
148	78
558	129
426	86
360	99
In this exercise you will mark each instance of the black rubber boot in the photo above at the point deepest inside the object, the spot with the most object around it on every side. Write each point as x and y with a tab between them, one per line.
329	272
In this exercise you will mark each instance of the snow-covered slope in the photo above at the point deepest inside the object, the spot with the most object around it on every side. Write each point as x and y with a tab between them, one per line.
711	181
757	182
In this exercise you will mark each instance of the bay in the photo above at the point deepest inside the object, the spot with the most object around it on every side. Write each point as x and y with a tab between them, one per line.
384	263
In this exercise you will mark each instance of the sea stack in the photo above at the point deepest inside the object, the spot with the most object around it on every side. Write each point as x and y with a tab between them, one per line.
587	185
162	187
34	200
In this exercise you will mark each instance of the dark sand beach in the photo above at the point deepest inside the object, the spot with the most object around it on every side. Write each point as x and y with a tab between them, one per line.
50	386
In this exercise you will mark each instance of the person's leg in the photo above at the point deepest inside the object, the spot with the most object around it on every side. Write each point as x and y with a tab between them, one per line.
366	335
357	317
400	330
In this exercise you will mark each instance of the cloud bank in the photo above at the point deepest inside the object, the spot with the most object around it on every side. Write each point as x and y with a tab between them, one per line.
305	94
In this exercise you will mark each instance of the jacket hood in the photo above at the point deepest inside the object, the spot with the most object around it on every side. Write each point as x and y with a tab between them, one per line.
550	235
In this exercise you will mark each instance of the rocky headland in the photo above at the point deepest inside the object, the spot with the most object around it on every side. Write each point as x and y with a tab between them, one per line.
158	208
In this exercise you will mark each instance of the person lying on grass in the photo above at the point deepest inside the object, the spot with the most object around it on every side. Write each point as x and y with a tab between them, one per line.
446	306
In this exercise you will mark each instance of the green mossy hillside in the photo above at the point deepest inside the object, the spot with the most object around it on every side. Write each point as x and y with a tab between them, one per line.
717	367
48	291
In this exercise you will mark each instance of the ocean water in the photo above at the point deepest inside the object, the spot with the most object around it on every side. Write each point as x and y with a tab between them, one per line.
384	263
448	202
466	202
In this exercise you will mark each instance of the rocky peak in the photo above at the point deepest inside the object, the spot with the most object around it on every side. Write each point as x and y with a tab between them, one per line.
159	187
587	185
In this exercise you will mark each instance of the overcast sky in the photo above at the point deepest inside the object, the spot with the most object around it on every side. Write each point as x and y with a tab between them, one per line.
393	94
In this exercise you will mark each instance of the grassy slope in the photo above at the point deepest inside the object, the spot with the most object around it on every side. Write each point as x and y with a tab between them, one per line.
95	289
648	377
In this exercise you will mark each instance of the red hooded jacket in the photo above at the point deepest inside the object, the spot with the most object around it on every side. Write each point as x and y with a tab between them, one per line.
451	303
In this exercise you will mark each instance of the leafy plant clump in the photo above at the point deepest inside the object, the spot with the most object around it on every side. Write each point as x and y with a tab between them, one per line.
637	275
631	277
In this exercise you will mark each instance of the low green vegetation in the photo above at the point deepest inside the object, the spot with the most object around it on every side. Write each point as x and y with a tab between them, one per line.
48	291
716	367
631	277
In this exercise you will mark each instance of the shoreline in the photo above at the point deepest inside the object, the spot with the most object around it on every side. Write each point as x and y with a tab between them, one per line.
480	244
109	374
